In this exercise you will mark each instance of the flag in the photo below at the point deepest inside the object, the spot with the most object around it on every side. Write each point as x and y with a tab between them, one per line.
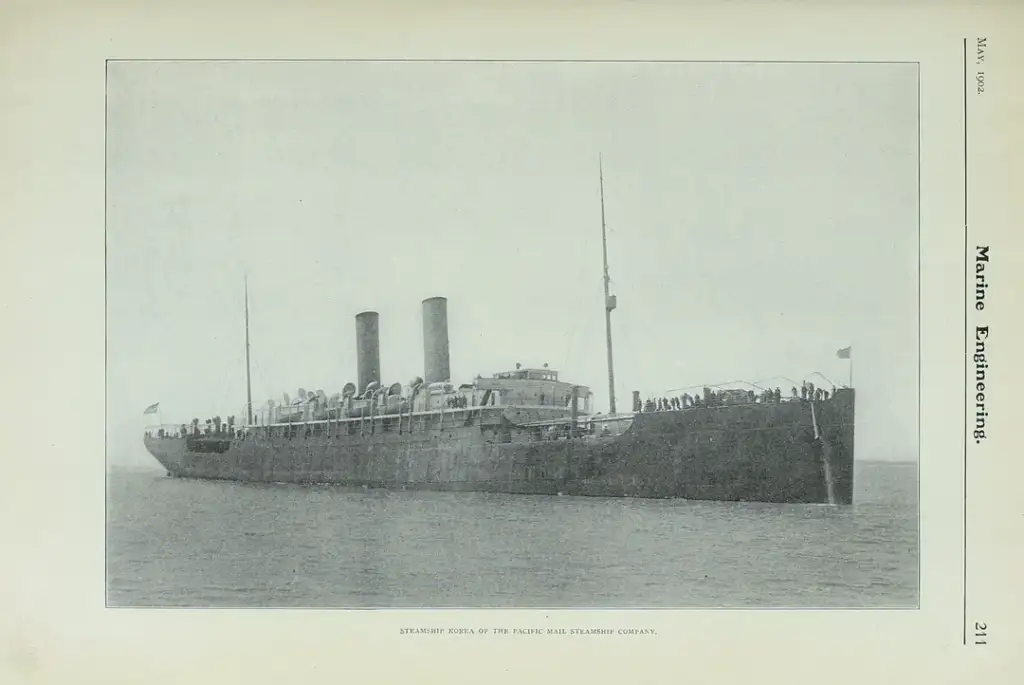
151	409
844	353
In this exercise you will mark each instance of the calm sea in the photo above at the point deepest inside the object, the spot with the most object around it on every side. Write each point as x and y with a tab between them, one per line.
192	543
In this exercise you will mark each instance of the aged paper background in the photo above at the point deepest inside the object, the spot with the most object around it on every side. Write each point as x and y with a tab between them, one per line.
53	625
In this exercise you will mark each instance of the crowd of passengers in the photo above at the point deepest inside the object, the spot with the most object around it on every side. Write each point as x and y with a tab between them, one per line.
716	398
458	402
213	427
711	398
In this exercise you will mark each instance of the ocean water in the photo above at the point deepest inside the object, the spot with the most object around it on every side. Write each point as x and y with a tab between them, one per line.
177	542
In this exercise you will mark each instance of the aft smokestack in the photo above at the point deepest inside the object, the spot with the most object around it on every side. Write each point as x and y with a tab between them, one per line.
435	340
367	349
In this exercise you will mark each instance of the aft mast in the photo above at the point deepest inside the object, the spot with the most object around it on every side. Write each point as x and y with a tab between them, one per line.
609	300
248	375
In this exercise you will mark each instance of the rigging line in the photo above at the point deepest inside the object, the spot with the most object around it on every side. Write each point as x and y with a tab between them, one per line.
261	377
775	378
222	378
584	315
715	385
755	384
628	346
827	379
579	305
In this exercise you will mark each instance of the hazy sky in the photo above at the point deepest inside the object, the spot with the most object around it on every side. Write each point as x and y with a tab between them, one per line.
760	216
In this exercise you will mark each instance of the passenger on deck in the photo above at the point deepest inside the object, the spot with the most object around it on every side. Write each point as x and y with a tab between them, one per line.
793	392
803	391
778	395
824	395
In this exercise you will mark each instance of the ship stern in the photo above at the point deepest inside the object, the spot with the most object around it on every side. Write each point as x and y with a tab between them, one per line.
168	451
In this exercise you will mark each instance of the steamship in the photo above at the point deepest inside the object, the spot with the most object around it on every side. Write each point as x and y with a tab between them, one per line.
524	431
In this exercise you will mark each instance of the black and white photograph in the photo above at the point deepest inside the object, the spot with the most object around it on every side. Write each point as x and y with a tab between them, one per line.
512	334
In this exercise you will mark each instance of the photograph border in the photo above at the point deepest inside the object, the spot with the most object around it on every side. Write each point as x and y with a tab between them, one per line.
918	504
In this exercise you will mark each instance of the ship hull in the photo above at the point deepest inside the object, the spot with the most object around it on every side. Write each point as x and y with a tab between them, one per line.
797	452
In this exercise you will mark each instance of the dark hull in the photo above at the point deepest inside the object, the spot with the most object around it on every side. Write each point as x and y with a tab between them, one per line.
765	453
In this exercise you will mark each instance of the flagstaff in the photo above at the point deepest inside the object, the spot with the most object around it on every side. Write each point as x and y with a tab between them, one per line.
155	409
847	354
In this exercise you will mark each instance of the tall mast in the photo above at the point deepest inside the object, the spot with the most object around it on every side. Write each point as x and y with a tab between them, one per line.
609	300
248	375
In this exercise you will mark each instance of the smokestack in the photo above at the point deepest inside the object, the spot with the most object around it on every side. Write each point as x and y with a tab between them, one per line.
435	340
367	349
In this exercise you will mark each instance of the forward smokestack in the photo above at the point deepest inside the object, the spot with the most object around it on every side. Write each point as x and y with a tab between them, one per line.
367	349
435	340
